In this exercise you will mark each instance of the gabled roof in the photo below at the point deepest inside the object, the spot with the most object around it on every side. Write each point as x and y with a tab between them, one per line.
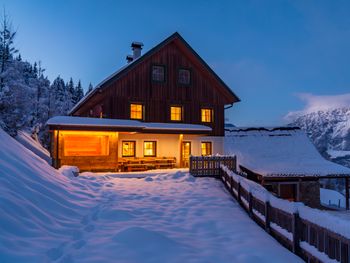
279	152
72	122
123	70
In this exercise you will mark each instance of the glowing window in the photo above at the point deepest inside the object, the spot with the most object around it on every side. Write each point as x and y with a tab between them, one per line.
128	149
85	145
184	76
176	113
206	148
158	73
136	111
207	115
149	148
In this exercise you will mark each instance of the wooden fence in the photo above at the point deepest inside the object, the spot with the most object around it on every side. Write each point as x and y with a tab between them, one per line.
301	236
204	166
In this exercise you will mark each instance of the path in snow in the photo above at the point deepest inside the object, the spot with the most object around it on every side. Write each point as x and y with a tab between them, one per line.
170	218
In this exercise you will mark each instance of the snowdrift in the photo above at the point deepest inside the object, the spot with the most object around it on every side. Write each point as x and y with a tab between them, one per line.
27	141
40	208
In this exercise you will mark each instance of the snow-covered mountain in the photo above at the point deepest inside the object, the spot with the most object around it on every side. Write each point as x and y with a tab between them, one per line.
330	132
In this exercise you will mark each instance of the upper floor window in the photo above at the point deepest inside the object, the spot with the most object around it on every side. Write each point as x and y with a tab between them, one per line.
206	148
149	148
176	113
206	115
158	73
184	76
136	111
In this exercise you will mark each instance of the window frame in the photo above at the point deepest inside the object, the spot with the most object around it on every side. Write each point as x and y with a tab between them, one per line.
211	114
142	110
129	141
155	149
165	73
178	77
182	112
206	149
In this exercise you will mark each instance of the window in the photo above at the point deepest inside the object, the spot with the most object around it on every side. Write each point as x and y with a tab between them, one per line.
206	148
128	148
207	115
149	148
158	73
184	76
136	111
176	113
85	145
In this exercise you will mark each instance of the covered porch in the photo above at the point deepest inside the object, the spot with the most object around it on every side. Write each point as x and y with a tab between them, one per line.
95	144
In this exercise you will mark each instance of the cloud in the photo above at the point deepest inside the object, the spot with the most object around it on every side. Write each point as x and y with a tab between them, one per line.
314	103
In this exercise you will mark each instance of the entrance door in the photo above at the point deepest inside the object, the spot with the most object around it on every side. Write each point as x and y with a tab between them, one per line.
185	153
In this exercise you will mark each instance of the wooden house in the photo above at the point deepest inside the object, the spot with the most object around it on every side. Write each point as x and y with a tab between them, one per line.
155	112
284	161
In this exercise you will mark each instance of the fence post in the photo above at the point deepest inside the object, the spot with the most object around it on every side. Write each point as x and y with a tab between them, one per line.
296	233
231	187
267	216
250	204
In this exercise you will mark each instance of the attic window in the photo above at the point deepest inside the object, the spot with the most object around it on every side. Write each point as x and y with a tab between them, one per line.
184	76
158	73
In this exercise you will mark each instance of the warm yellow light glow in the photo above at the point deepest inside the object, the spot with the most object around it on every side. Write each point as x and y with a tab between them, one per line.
85	143
128	149
149	148
176	113
136	111
206	115
206	148
186	150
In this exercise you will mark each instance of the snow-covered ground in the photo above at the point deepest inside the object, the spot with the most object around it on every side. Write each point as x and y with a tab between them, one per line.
164	217
332	198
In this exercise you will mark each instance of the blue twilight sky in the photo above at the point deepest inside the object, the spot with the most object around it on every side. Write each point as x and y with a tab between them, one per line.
269	52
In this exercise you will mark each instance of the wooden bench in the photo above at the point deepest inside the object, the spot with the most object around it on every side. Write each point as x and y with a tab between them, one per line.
142	164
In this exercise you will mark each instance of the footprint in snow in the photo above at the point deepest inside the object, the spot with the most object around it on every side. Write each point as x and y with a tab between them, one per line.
89	228
79	244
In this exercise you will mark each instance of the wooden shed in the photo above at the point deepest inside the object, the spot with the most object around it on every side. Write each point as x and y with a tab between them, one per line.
284	160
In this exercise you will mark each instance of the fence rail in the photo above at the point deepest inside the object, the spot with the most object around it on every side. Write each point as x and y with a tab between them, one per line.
312	242
205	166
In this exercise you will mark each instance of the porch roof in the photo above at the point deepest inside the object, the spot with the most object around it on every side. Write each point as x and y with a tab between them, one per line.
85	123
282	152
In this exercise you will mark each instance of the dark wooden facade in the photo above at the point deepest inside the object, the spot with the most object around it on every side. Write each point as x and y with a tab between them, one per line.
134	84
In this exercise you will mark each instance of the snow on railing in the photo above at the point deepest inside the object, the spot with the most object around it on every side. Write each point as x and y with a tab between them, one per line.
310	233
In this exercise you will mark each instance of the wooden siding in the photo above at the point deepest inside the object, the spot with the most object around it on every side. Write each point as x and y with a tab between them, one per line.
137	86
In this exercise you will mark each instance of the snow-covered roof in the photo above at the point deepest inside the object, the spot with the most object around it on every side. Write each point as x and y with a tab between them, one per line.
139	59
276	152
72	121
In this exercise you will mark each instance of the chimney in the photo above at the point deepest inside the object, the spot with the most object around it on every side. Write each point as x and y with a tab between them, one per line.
129	58
136	48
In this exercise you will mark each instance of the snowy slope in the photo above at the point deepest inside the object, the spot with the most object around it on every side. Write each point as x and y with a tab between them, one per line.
27	141
40	208
168	217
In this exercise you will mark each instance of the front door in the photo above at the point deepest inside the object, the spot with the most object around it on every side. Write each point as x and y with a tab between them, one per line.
185	153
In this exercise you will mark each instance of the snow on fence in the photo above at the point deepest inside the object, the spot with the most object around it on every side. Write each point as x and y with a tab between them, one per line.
309	233
211	165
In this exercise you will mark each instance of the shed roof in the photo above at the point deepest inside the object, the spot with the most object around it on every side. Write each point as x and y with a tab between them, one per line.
279	152
123	124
